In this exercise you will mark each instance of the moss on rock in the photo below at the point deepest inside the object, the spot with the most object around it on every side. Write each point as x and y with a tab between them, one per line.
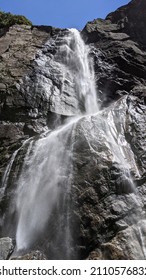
8	19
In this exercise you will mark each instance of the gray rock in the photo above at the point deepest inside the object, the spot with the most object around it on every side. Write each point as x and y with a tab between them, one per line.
119	52
19	116
104	205
6	248
2	87
131	20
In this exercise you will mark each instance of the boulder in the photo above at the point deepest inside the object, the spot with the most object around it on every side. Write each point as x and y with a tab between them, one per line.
6	248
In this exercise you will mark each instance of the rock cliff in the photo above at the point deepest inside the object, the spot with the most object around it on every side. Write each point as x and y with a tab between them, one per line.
108	214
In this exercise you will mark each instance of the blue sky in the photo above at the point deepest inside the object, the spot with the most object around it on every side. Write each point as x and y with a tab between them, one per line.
61	13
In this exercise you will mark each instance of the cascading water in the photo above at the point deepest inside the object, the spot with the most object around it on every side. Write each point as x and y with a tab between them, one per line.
74	54
45	180
43	199
7	172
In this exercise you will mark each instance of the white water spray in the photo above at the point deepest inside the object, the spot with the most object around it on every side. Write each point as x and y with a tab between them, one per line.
7	172
45	180
40	184
46	174
80	66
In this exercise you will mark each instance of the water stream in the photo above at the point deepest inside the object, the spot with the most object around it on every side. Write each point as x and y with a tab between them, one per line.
46	175
44	185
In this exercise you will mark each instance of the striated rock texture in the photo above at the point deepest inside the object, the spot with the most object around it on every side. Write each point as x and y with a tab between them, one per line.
120	59
108	214
131	19
19	117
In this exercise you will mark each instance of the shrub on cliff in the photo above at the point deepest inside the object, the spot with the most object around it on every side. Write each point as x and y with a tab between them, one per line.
7	19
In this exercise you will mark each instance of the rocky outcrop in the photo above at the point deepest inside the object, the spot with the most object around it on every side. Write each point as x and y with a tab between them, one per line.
119	56
19	118
108	194
131	20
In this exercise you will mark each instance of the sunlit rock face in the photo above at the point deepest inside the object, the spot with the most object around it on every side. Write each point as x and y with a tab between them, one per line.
72	134
131	19
119	50
109	202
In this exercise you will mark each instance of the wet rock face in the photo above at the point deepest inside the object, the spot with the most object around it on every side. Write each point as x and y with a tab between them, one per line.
19	117
49	91
108	195
110	204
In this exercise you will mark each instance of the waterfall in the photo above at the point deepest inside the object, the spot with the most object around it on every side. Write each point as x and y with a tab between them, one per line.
141	230
8	169
45	180
74	54
43	196
7	172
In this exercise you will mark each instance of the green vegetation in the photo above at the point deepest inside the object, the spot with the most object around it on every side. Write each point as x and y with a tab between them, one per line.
7	20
